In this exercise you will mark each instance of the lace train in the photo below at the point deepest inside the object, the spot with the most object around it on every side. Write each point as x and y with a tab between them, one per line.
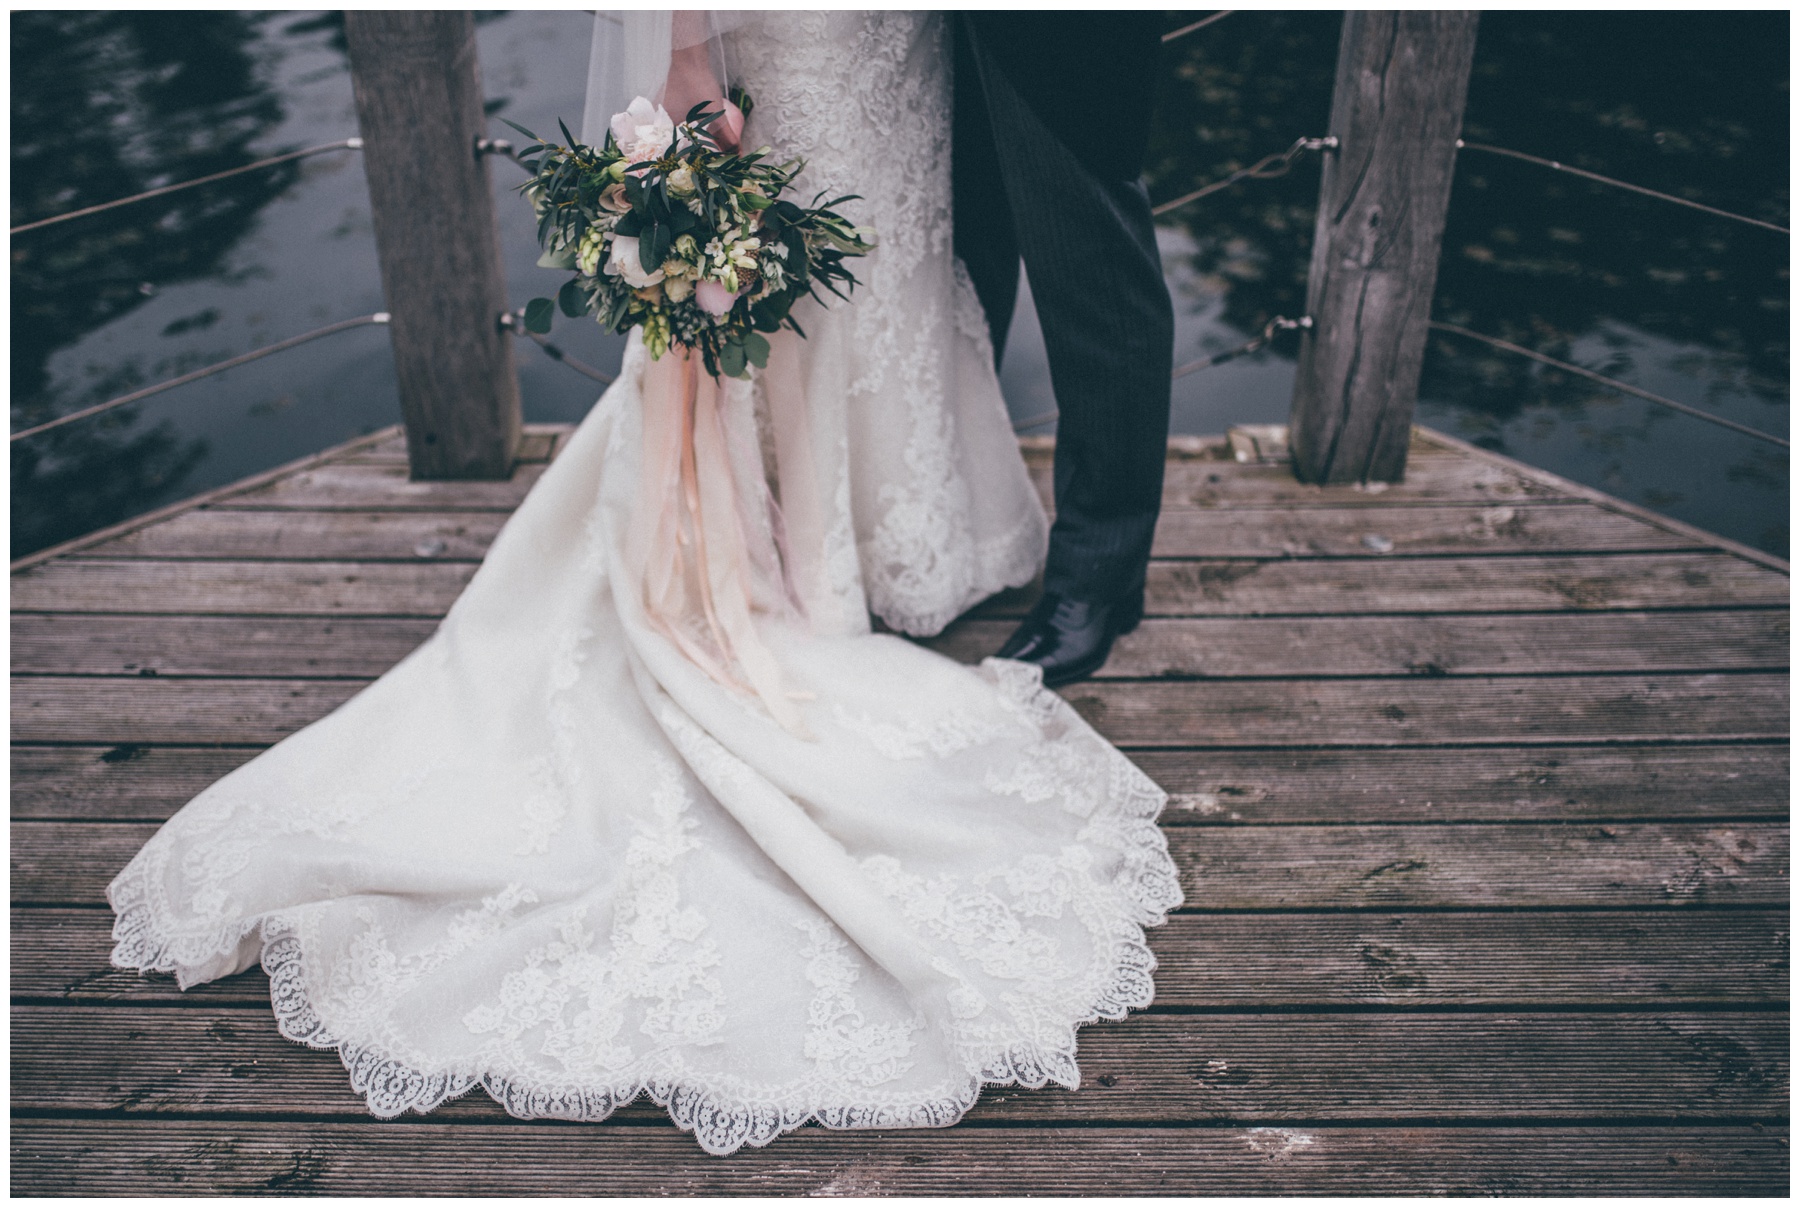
724	1117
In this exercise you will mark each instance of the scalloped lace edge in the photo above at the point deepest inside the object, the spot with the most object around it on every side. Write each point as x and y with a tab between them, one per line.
720	1122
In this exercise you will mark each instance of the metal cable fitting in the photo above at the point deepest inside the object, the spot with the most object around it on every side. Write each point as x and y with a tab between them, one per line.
1266	168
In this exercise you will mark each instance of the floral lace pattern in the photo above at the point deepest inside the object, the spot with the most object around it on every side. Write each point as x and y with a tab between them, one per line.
864	98
575	988
842	1041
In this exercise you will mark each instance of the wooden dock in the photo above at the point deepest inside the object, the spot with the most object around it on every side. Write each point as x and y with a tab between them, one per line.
1479	789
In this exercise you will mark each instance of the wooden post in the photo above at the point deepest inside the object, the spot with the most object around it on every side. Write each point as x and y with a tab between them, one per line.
419	102
1397	110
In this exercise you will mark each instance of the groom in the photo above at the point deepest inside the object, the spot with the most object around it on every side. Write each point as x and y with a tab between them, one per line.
1052	118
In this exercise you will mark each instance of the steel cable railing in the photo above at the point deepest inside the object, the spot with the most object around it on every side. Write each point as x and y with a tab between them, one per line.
1202	23
380	316
1609	383
1618	184
514	321
1266	168
346	144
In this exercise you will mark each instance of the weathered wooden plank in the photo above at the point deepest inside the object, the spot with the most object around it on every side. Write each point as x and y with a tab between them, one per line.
336	536
1569	489
1405	712
121	711
1500	644
357	486
1341	532
537	442
1426	585
371	588
1209	483
1208	787
115	782
1183	533
1529	643
1572	784
1193	713
1188	484
1547	866
148	1156
1619	960
88	644
1149	1068
1201	588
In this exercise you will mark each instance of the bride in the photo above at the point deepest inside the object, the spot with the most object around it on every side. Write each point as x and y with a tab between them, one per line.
550	855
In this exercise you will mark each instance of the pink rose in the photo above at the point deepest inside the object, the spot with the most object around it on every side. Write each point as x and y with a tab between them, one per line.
713	297
613	198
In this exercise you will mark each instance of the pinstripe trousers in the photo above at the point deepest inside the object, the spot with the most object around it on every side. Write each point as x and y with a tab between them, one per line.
1051	120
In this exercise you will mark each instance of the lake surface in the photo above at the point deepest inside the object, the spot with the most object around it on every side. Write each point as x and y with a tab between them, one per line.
106	104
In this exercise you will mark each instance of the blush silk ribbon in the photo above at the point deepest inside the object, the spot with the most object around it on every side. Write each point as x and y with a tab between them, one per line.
707	566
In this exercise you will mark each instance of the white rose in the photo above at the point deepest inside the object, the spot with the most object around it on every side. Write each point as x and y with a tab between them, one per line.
681	182
644	131
677	288
624	263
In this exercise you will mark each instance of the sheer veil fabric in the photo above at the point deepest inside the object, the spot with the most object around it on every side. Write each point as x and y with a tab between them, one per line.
549	855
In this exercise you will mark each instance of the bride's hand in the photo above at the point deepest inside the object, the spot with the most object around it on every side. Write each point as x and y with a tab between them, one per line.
691	81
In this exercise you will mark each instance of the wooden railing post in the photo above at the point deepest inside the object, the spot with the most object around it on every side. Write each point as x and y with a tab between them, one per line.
1397	110
419	102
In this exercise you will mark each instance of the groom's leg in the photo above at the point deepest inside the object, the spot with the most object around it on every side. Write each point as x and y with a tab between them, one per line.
981	218
1089	245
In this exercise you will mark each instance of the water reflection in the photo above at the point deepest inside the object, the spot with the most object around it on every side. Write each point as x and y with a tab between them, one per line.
1666	298
106	104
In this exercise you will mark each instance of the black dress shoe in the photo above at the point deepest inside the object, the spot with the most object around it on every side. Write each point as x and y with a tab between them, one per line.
1070	639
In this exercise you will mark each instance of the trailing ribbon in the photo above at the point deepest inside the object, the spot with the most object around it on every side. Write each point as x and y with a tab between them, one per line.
707	568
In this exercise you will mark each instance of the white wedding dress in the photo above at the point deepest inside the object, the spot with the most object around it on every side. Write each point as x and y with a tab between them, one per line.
549	855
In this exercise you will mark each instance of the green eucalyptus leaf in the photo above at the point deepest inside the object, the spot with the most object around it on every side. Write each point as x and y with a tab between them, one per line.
756	349
572	298
731	360
539	313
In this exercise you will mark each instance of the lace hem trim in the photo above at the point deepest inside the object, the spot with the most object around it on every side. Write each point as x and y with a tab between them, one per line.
1005	562
722	1122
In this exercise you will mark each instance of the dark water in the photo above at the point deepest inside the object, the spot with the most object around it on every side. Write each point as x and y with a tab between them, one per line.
1663	297
109	103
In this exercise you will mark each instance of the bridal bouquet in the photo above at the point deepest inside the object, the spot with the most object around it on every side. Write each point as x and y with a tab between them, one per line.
672	234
